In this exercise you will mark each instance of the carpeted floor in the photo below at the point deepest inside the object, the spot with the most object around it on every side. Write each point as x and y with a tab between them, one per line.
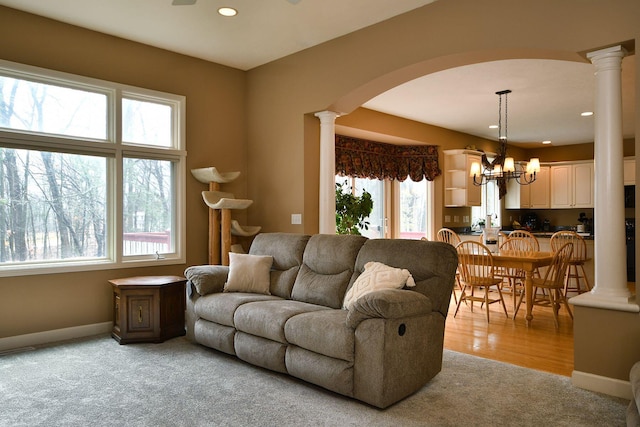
96	382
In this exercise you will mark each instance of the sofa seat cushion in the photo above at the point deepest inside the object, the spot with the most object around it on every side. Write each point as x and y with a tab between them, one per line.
220	308
266	319
324	332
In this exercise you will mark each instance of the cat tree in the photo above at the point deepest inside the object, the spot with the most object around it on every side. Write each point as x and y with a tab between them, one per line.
221	226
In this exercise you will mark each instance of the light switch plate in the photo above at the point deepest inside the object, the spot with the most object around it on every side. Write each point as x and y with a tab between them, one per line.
296	219
447	218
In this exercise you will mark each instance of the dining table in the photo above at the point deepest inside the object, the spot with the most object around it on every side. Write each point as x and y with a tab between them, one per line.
528	262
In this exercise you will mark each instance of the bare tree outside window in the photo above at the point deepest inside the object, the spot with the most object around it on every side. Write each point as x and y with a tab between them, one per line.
54	204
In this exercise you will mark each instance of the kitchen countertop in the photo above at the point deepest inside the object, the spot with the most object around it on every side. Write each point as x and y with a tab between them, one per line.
543	234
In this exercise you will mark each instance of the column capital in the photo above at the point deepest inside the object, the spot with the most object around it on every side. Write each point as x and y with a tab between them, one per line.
610	52
327	116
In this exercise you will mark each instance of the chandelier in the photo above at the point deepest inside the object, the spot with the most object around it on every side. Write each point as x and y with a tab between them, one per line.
503	168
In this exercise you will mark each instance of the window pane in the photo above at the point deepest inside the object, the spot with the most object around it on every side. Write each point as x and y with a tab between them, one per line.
45	108
413	209
147	206
146	123
374	187
52	206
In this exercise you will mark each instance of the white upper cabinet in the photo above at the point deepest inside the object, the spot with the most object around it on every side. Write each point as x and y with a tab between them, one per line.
572	185
532	196
459	189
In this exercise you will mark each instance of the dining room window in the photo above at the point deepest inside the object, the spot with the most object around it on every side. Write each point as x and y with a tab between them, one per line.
490	205
402	210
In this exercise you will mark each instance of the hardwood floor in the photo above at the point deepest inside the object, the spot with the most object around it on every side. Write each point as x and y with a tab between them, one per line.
541	346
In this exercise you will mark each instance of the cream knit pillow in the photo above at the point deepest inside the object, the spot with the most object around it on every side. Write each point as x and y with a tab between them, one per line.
249	273
377	276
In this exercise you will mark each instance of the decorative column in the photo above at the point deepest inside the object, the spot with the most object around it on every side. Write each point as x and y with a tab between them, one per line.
327	200
610	250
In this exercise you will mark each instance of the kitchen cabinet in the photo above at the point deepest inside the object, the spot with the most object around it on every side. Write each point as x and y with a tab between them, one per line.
572	185
532	196
459	189
630	171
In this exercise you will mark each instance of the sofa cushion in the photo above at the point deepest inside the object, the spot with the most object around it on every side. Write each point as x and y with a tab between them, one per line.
220	308
323	332
327	268
266	319
249	273
214	335
332	374
377	276
287	250
260	352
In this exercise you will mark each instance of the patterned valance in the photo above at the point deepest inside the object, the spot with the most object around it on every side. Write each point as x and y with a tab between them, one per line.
368	159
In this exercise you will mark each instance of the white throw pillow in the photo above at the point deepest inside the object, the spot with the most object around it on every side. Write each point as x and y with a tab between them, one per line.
377	276
249	273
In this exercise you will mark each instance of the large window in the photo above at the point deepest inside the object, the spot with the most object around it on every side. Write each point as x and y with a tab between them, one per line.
91	173
415	208
490	206
406	215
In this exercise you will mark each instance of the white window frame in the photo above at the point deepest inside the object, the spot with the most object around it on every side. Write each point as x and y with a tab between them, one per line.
113	149
429	208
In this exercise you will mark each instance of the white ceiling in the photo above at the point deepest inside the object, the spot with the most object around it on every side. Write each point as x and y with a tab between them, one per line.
547	98
545	104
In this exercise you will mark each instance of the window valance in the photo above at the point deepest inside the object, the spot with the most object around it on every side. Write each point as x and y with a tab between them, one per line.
369	159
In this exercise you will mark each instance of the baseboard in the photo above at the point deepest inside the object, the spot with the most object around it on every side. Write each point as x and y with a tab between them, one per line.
39	338
600	384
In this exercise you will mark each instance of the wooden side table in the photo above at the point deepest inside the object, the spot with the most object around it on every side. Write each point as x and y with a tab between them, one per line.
148	308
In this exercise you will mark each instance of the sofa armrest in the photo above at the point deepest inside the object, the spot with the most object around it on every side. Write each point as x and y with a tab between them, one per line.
207	279
388	304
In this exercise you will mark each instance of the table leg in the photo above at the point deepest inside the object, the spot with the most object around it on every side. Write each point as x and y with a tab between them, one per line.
528	294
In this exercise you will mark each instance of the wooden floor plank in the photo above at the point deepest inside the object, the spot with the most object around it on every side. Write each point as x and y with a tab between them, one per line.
540	346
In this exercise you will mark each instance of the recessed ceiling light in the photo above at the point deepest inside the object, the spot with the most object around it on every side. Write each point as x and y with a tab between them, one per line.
546	142
227	11
587	114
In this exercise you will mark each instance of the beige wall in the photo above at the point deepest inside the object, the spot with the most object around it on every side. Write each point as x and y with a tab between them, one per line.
215	137
606	351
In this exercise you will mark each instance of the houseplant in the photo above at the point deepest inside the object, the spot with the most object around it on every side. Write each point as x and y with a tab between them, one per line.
351	210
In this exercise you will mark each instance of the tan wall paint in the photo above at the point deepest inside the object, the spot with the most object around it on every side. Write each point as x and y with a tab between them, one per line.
605	342
215	137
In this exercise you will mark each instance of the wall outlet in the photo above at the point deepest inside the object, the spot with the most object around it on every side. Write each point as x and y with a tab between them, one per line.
465	218
296	219
447	218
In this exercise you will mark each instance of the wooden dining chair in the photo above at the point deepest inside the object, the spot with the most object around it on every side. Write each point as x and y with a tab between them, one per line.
475	264
524	234
576	269
513	278
553	283
449	236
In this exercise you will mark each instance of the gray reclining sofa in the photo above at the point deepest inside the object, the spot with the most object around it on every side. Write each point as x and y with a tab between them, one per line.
386	346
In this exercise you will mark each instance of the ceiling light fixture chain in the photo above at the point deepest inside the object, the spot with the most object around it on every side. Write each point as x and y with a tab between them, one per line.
502	168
